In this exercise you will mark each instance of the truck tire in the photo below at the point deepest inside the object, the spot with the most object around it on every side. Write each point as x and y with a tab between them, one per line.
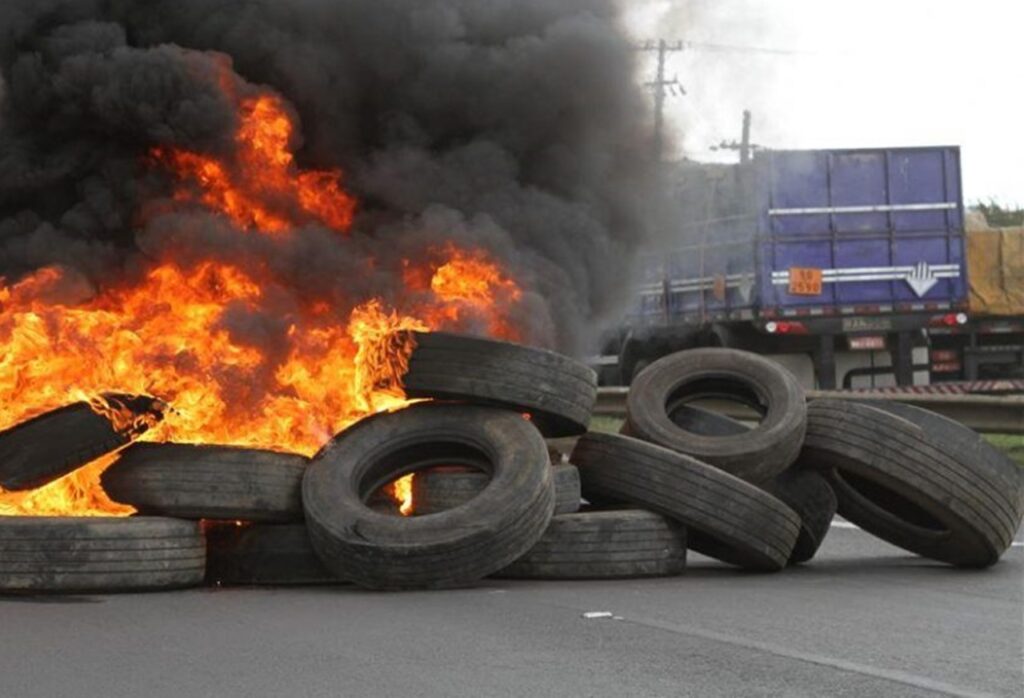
558	392
726	517
806	493
99	555
755	455
439	489
51	445
916	480
263	554
454	548
604	545
208	482
705	422
809	495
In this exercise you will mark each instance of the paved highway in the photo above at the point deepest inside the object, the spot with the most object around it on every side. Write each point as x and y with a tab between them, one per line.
863	619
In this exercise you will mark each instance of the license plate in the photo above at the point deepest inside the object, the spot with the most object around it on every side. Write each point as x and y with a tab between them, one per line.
866	324
865	343
804	281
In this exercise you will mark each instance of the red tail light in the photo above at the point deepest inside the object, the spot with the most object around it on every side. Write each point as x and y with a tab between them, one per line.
948	320
785	327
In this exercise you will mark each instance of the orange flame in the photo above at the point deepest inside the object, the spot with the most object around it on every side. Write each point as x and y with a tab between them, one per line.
264	190
401	491
77	494
166	334
471	287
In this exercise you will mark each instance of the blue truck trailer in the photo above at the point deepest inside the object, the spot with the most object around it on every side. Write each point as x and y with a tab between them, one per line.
812	252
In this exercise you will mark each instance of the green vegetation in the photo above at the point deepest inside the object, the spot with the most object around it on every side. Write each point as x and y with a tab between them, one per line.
609	425
1000	217
1013	445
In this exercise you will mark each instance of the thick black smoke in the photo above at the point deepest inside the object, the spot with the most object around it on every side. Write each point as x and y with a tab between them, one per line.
513	125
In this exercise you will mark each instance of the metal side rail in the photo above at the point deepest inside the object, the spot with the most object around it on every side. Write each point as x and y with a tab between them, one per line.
983	413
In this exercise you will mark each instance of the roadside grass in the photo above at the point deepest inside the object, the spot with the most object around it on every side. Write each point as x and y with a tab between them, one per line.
1011	444
609	425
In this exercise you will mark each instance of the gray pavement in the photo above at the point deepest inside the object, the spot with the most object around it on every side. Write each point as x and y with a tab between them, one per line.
863	619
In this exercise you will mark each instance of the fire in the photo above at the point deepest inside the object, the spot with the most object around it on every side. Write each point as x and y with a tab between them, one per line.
263	190
169	332
470	286
401	491
77	494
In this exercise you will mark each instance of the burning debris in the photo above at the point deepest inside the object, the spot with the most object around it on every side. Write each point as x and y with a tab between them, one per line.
245	239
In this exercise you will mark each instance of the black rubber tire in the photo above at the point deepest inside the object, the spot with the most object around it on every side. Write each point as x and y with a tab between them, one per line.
604	545
454	548
809	495
805	492
558	392
755	455
208	482
917	480
263	554
99	555
440	489
54	444
706	423
726	517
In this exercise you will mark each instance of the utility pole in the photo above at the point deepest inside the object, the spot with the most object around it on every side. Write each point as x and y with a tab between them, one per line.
745	147
661	85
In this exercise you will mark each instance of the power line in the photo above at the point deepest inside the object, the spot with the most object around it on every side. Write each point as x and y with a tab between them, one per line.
736	48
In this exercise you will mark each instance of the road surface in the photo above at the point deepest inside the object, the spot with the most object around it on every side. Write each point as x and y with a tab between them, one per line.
863	619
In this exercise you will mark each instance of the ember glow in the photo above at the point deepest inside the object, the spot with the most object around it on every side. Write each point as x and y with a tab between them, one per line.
164	333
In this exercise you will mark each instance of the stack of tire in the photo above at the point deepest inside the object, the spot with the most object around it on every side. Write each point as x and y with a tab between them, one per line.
63	554
490	502
489	499
763	496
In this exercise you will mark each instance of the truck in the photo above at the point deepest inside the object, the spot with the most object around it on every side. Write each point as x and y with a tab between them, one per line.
990	345
841	263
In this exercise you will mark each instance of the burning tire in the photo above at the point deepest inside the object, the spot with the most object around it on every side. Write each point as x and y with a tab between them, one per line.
453	548
558	392
809	495
756	454
51	445
99	554
270	554
208	482
726	518
604	545
437	490
917	480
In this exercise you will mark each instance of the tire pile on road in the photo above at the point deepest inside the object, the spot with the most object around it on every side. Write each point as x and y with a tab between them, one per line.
489	500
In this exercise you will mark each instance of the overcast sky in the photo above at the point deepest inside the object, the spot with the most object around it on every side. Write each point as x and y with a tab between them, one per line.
850	73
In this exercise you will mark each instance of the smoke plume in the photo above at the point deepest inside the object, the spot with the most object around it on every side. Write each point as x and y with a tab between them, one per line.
515	126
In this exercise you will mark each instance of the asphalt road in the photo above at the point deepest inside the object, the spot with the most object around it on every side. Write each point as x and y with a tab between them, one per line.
863	619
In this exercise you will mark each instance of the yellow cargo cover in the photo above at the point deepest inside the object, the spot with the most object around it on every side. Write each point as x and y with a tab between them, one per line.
995	258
